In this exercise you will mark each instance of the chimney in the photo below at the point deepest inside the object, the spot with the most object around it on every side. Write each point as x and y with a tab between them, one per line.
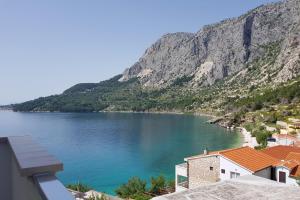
205	151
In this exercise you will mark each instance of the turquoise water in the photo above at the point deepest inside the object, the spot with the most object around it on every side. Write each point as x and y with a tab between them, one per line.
105	149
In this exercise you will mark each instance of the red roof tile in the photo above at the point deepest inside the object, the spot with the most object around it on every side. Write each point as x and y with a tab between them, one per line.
280	152
295	172
249	158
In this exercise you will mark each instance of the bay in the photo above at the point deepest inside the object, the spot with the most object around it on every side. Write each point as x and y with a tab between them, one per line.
104	150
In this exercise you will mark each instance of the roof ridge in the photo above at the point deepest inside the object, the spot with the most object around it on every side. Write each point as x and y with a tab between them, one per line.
233	149
293	152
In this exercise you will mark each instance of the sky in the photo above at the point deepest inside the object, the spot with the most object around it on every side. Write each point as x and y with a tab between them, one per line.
46	46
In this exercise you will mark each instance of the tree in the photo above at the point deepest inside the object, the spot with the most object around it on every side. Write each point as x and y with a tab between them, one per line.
262	136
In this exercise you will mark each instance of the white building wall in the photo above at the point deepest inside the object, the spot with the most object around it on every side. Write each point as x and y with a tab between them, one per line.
283	141
230	166
265	173
289	180
180	170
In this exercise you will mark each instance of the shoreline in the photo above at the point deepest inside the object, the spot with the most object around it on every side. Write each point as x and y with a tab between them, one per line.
244	140
247	140
241	130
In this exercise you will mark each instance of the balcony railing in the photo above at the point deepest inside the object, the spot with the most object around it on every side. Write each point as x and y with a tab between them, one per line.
27	171
183	184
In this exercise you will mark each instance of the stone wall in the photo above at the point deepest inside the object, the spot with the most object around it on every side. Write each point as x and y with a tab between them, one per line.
203	170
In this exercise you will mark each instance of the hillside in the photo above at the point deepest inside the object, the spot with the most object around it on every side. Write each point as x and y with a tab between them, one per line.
237	65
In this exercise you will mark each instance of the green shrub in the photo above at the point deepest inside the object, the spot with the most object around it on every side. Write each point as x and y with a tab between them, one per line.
261	137
249	126
171	184
79	187
141	196
157	184
134	186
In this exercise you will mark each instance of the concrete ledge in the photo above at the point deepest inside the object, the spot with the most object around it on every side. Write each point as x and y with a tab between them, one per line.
51	188
31	158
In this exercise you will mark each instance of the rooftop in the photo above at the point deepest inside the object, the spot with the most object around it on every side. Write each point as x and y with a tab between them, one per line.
246	187
281	152
249	158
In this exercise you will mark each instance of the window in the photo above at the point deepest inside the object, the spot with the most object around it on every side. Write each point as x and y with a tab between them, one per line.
223	171
211	168
234	174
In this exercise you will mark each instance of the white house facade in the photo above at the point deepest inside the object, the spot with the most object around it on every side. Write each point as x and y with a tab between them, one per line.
279	163
283	176
230	170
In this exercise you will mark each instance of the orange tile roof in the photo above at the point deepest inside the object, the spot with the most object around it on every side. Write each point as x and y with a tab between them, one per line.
295	172
290	164
281	152
293	156
249	158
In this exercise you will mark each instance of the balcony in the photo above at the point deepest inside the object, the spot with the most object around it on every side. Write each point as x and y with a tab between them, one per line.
27	171
181	178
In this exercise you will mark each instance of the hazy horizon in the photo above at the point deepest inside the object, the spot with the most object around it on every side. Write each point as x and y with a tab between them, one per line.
48	46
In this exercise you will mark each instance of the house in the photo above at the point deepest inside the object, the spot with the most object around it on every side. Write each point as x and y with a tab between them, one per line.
27	171
222	165
285	139
287	170
279	163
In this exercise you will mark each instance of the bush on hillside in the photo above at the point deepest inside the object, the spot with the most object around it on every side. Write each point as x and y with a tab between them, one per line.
157	184
133	188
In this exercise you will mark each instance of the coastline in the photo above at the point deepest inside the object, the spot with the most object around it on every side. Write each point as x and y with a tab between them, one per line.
245	139
212	117
145	112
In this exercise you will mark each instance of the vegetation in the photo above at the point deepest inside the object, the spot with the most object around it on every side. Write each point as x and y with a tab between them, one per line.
283	94
102	197
97	198
79	187
136	188
119	96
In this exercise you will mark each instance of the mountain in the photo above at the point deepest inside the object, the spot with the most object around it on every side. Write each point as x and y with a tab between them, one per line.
222	49
225	67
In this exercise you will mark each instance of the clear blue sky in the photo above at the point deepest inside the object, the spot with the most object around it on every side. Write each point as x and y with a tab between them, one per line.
47	46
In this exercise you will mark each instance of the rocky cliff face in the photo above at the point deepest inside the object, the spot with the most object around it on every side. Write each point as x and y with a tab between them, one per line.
224	49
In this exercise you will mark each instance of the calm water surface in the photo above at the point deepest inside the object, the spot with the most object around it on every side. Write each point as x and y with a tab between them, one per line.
105	149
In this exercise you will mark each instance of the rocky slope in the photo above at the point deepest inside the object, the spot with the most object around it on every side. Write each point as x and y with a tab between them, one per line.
222	49
226	67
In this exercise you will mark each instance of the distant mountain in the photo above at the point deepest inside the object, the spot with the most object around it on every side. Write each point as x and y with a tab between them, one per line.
222	67
6	107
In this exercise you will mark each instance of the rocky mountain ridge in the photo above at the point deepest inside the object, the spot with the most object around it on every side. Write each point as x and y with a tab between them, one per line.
222	49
